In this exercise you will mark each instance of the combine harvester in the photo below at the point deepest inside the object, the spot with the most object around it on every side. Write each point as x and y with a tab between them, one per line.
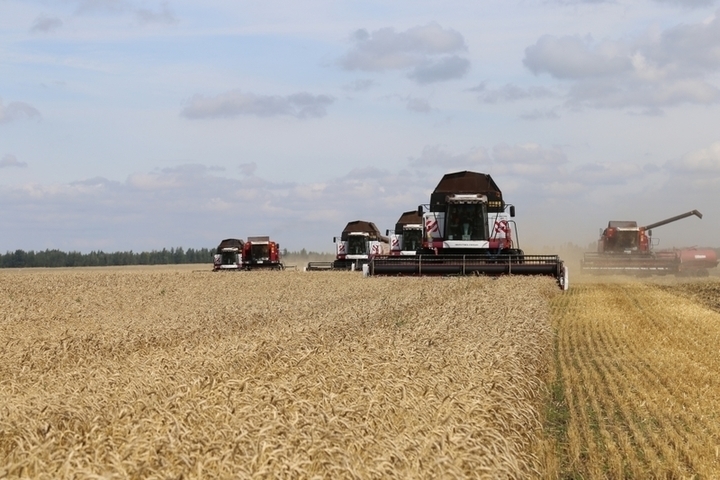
406	239
468	230
625	248
353	249
228	255
261	253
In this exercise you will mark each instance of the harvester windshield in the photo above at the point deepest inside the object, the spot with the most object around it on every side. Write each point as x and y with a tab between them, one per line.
623	240
261	251
412	239
229	257
357	245
466	221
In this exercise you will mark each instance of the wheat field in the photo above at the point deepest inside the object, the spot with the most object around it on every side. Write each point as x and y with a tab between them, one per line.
167	373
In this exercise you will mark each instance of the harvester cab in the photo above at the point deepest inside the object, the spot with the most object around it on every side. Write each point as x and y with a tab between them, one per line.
406	239
468	225
261	252
623	237
468	230
228	255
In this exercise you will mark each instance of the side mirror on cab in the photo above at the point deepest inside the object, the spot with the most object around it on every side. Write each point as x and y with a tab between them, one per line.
420	211
512	211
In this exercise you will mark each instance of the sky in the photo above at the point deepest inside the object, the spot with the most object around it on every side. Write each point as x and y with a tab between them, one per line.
144	124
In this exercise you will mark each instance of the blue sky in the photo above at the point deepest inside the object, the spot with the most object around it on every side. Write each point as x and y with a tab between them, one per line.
143	124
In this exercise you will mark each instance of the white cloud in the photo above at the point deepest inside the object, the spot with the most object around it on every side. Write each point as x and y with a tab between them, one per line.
529	153
652	71
512	93
9	160
530	161
144	12
248	168
527	162
652	96
607	173
429	51
705	161
689	3
575	57
360	85
102	6
16	111
194	206
437	157
446	68
162	15
537	114
419	105
235	103
567	189
46	23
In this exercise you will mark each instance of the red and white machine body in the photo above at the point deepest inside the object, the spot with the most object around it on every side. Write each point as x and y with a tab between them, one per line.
358	246
408	242
407	237
261	252
462	232
228	255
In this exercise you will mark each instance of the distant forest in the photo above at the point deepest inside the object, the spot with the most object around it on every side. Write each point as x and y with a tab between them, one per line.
57	258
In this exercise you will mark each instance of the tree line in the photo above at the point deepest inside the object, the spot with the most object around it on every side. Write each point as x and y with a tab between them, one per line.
57	258
172	256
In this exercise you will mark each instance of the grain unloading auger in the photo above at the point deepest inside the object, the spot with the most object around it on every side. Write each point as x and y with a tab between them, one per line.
468	230
626	248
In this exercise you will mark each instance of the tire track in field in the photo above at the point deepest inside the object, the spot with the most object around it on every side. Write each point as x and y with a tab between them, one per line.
638	369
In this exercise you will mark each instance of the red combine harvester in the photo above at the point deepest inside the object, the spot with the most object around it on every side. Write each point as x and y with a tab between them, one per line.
261	252
625	248
228	255
468	230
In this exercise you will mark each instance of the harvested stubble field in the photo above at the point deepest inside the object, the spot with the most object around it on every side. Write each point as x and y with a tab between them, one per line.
178	374
636	388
